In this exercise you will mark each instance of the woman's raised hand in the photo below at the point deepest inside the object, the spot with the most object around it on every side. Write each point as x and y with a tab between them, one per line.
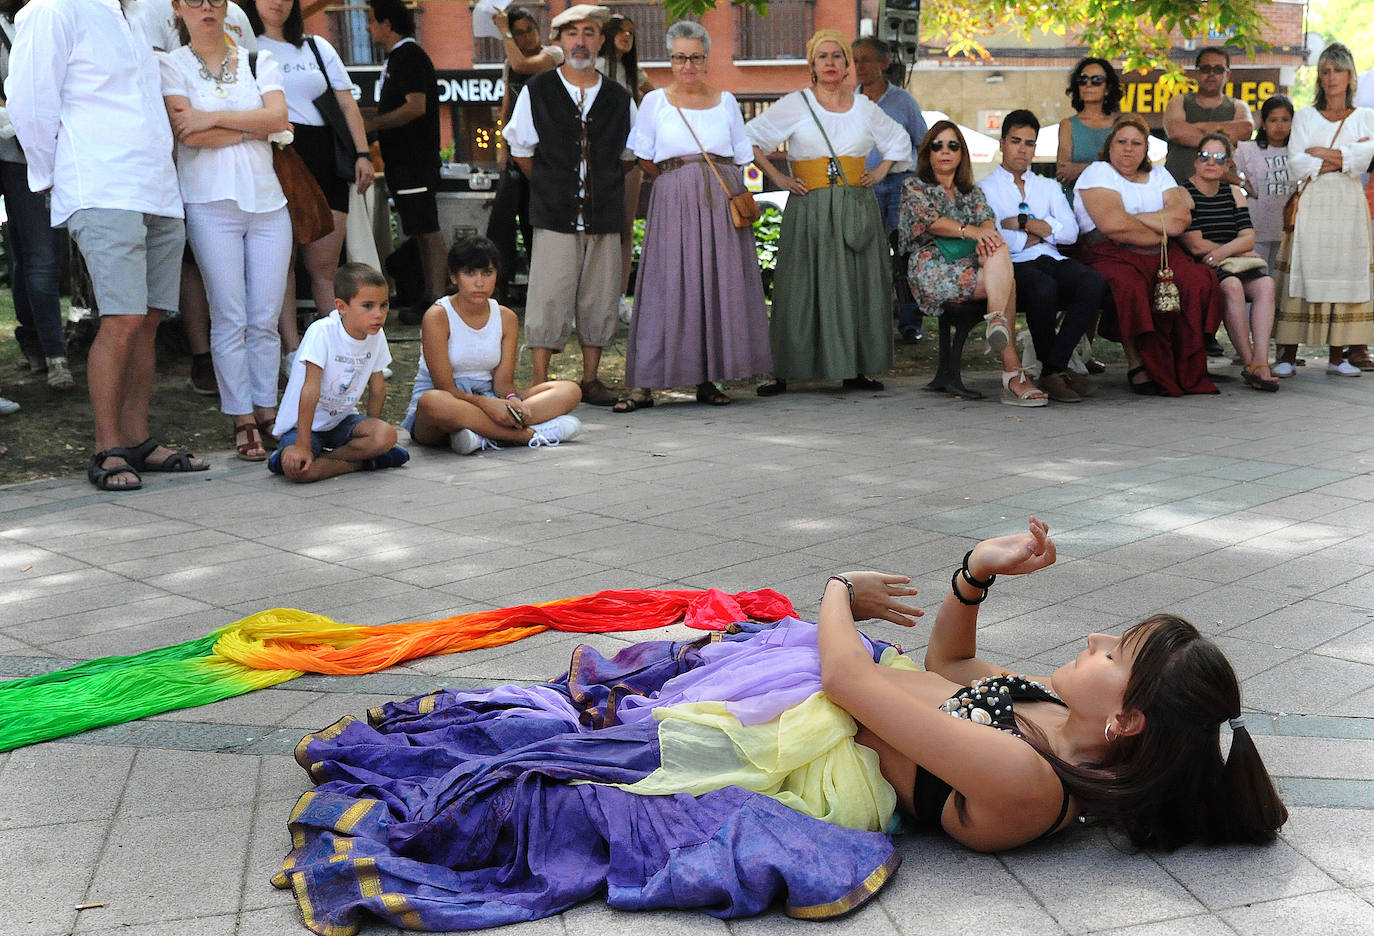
1017	554
876	597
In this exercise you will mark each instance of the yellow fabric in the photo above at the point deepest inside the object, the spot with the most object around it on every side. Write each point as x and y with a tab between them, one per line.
806	758
816	172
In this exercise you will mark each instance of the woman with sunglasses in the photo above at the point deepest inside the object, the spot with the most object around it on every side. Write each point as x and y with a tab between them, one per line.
311	67
1095	92
832	293
222	108
1223	238
950	232
1324	262
700	314
1127	210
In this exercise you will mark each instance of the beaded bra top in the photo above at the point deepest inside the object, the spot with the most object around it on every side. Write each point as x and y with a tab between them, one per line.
989	701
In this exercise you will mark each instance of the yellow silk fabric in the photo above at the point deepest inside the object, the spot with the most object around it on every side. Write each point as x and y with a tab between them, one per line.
806	758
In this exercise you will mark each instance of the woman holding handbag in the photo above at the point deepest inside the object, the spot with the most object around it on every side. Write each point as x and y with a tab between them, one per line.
832	294
223	105
700	314
950	233
1223	238
1128	214
329	138
1324	262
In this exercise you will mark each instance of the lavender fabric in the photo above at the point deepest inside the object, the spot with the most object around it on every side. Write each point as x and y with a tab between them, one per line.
699	311
454	811
757	679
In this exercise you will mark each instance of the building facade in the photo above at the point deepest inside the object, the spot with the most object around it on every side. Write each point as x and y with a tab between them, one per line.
759	58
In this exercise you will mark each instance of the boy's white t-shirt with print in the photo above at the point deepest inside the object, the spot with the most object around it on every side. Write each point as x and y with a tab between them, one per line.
347	364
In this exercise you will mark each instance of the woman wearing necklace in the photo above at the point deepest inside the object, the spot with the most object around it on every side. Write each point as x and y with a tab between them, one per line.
311	67
236	218
832	294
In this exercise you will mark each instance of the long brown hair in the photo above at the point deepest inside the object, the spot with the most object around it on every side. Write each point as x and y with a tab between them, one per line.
1168	785
963	176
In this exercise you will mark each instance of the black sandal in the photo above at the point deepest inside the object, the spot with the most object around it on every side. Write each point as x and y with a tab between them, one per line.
635	400
100	476
862	383
712	395
176	463
1145	387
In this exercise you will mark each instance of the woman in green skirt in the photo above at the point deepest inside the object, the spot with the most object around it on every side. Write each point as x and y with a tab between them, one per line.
832	292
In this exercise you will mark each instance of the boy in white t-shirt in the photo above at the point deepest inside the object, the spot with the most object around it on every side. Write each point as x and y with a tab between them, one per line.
339	357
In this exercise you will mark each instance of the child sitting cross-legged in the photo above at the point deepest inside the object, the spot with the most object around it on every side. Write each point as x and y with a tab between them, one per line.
465	388
340	356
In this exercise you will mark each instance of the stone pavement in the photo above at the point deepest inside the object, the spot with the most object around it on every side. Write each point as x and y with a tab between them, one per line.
1249	514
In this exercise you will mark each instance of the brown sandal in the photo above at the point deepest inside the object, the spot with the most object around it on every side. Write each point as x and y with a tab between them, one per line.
249	443
265	426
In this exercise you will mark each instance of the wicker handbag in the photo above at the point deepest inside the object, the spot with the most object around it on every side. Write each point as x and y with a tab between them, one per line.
1166	298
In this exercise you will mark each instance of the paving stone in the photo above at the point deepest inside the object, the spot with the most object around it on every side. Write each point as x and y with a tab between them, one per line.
1317	914
164	782
942	888
1242	874
47	869
1187	926
1125	888
31	776
1335	840
205	849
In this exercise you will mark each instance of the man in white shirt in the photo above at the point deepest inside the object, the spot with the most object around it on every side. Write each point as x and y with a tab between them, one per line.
85	98
1035	218
567	134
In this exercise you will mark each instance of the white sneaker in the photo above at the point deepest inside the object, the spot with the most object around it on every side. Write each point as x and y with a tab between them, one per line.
288	360
1283	369
466	442
1343	369
8	406
386	373
627	307
556	430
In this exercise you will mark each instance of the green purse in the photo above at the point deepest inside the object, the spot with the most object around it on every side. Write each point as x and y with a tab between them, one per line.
956	248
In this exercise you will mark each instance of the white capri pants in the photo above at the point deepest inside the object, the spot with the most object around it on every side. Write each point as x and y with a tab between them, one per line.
243	259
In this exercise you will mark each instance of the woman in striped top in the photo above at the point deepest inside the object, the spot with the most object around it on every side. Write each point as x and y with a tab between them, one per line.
1223	237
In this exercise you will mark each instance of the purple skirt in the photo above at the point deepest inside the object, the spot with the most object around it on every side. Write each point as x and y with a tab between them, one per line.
699	311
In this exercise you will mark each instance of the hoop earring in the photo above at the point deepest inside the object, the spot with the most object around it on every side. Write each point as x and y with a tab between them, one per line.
1107	732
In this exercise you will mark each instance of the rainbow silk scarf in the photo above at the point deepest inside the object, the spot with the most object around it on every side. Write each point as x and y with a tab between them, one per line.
272	647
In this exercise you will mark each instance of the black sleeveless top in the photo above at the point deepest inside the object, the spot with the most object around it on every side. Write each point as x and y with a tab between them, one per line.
986	702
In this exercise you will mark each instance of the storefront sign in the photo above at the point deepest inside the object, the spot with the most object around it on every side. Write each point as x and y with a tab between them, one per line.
472	87
1147	94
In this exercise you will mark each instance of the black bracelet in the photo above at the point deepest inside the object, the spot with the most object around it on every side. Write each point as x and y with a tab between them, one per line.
362	155
954	587
847	584
968	576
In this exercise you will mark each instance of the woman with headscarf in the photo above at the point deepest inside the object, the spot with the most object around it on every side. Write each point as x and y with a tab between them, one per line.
1324	266
832	292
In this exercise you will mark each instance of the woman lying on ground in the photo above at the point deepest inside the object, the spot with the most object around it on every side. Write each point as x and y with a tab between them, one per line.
716	775
464	393
1127	732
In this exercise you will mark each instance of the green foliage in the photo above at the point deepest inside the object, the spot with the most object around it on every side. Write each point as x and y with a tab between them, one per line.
1135	32
767	231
